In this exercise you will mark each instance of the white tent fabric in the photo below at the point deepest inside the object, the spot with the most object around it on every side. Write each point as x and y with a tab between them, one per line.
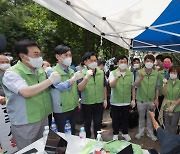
119	21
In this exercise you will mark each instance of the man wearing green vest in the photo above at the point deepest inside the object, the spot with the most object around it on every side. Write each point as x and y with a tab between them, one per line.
65	94
121	81
27	93
93	93
147	84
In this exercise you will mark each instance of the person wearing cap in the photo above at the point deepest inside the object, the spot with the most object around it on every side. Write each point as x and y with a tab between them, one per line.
65	93
121	81
147	84
27	93
93	93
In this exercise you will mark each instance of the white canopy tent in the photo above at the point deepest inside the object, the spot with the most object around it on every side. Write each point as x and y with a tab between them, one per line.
119	21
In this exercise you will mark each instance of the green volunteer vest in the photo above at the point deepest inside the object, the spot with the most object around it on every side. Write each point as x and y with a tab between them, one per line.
147	88
122	91
94	90
173	92
69	98
39	106
161	77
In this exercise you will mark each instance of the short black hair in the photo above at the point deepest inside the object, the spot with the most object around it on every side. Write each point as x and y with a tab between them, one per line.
149	57
175	68
101	62
134	59
169	57
121	57
21	46
61	49
88	55
160	57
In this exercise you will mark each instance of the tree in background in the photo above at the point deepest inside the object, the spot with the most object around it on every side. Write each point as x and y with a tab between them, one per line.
21	19
25	19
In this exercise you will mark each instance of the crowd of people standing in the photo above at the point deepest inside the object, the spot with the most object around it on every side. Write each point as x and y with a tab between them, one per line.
33	92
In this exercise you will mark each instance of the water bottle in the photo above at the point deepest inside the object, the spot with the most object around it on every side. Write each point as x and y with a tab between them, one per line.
67	130
99	141
45	133
82	135
53	126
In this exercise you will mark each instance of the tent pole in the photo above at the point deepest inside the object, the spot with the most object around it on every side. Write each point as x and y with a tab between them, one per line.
166	24
163	31
130	52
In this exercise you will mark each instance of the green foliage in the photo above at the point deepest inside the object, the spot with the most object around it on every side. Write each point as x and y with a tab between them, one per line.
24	19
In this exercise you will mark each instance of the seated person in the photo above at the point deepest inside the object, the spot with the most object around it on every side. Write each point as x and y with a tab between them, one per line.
169	143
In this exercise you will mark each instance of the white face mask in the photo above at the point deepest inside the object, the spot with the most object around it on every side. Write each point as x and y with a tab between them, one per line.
35	62
92	65
4	66
173	76
136	66
149	65
123	66
67	61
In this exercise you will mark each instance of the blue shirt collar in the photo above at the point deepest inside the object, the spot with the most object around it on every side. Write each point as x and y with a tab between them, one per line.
66	70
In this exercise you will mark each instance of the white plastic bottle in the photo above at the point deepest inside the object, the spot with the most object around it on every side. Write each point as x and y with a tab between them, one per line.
99	141
45	133
53	126
67	130
82	135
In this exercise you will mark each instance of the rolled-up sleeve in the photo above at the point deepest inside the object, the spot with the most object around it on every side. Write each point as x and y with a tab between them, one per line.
63	86
13	81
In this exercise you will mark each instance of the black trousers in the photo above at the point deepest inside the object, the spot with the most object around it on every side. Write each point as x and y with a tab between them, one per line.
92	112
60	119
120	116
